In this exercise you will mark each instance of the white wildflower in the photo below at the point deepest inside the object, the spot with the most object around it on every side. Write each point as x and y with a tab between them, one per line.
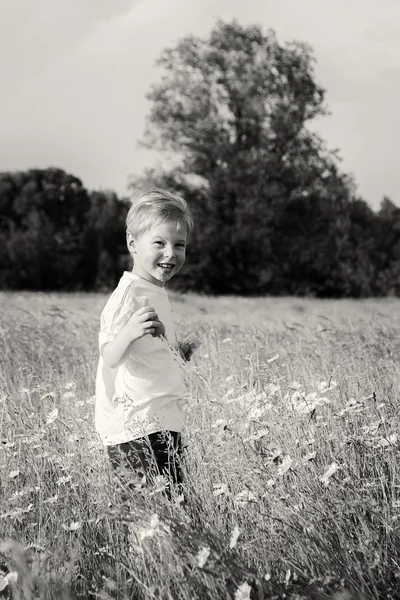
325	479
234	537
243	592
52	416
202	556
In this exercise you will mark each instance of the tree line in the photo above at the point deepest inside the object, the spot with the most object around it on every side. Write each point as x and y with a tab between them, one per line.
274	212
56	235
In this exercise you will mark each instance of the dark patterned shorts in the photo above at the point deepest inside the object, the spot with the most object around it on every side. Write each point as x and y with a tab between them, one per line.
157	454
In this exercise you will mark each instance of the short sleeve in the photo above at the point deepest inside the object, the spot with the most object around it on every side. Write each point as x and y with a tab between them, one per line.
121	305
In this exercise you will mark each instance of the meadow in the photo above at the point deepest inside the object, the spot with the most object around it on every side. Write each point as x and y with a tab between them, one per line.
291	459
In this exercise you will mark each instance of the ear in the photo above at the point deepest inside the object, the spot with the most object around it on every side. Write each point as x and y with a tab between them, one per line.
130	242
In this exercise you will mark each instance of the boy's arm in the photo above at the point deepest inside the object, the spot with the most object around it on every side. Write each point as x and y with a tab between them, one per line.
143	322
113	351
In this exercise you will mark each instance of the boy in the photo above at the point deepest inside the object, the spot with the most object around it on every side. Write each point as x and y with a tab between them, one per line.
139	382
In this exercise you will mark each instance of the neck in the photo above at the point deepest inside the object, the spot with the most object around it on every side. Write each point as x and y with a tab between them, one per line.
152	280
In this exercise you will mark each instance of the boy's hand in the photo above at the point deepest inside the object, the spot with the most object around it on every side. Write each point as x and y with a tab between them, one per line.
159	328
144	322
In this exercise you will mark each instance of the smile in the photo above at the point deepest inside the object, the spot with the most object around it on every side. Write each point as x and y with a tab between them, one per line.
166	266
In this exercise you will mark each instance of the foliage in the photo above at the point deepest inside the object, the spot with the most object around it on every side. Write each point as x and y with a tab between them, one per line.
55	235
106	228
274	214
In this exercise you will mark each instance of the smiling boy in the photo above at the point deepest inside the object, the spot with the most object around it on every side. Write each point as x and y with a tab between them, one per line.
139	382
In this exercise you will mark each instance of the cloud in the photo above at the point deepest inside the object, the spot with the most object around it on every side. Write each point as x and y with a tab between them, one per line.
75	74
34	34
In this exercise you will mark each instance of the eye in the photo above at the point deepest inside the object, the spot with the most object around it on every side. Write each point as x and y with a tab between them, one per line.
158	242
181	245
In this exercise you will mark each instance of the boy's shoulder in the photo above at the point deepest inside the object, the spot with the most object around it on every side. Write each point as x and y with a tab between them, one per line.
127	292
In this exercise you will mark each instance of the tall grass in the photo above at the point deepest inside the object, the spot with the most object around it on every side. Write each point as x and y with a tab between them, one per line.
291	459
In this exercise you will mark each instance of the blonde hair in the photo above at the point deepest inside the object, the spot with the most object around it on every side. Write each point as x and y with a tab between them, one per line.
157	206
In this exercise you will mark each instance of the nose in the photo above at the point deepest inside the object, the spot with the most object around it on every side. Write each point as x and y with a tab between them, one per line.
169	252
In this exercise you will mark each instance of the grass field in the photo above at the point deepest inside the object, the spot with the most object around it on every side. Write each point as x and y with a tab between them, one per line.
291	464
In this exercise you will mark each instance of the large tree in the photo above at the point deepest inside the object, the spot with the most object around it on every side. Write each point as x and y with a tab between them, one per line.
232	109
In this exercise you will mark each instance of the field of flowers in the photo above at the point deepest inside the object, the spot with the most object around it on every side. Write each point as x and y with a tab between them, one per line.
291	460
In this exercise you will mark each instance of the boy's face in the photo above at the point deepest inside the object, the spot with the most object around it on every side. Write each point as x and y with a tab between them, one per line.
159	252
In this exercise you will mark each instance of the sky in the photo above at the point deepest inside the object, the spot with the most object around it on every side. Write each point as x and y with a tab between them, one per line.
75	73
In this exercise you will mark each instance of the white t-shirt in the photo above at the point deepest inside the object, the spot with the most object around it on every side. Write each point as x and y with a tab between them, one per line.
144	393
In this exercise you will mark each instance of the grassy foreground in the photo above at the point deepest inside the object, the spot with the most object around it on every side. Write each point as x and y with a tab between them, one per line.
291	463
